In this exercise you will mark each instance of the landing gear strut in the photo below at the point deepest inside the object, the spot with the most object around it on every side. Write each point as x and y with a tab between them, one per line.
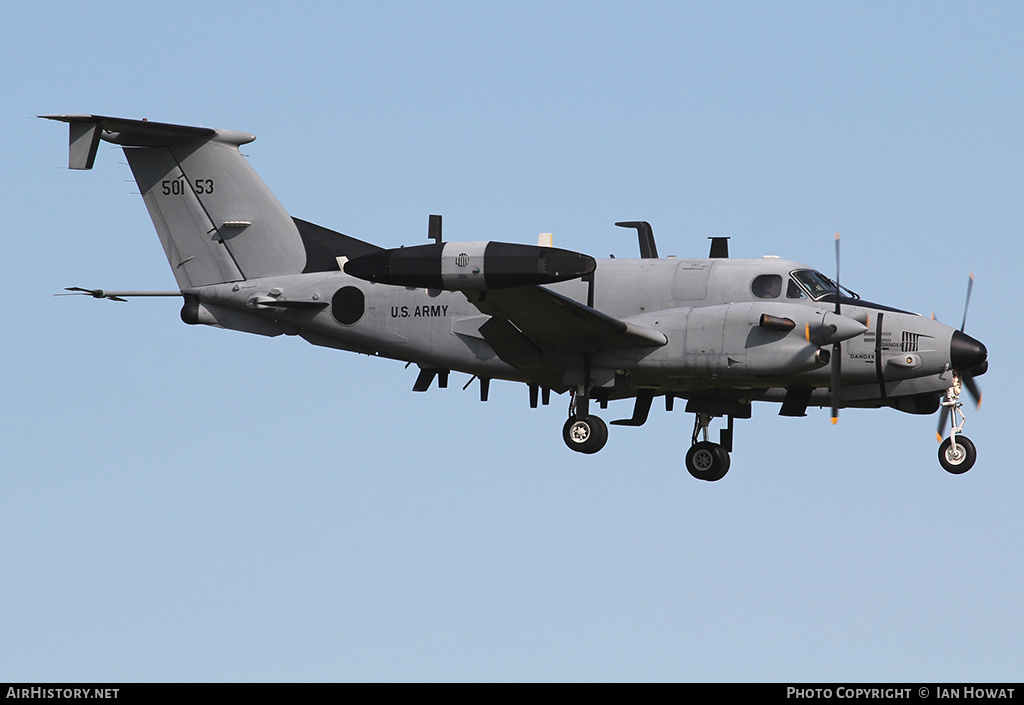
706	460
583	432
957	453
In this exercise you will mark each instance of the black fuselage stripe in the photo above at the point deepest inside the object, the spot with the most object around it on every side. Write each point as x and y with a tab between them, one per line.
878	355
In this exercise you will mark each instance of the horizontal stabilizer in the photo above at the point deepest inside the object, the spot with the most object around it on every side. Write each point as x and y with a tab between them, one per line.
86	131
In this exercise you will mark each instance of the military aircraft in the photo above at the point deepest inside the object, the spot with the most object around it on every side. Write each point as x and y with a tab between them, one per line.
717	332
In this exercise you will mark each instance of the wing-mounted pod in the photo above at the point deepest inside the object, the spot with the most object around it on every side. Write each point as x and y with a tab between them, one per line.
471	266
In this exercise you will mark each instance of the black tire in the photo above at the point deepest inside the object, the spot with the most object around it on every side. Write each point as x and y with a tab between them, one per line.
585	434
960	459
707	461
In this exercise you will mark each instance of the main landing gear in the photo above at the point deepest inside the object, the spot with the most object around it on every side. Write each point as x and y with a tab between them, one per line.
706	460
586	433
583	432
957	453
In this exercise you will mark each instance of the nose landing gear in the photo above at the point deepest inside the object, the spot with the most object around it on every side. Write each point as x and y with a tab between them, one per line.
957	453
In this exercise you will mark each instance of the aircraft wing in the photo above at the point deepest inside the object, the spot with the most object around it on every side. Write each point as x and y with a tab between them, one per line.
555	322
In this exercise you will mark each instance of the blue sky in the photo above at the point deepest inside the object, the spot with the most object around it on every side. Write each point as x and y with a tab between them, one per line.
179	503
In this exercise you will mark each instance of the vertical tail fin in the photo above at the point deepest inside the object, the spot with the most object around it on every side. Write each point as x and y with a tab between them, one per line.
217	221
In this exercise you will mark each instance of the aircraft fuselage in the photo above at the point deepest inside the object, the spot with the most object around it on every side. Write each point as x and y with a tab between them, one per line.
706	309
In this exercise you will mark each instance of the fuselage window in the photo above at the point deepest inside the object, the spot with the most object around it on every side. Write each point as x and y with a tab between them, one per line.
767	286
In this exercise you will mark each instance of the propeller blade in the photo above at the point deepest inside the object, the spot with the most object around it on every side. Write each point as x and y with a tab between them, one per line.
970	285
837	274
943	418
972	389
966	378
837	352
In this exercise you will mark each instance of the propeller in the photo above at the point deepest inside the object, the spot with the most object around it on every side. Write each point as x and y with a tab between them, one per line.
837	351
966	376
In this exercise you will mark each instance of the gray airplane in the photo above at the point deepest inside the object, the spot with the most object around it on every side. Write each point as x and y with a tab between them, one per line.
719	333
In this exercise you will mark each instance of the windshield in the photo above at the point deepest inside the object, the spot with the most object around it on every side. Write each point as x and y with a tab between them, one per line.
818	285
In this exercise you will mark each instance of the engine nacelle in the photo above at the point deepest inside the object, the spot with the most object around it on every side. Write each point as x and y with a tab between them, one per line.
471	266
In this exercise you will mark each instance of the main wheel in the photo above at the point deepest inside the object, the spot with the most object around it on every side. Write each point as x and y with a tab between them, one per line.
958	458
707	461
585	434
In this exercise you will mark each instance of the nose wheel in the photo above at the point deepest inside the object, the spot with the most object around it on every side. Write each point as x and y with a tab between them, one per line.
957	453
957	456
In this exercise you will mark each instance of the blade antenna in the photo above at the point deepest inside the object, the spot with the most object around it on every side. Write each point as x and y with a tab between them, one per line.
434	228
645	235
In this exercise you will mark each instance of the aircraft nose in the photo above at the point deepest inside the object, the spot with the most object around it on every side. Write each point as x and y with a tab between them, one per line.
966	353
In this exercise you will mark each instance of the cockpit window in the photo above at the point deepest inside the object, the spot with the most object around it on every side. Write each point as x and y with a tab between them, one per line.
793	291
818	285
767	286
